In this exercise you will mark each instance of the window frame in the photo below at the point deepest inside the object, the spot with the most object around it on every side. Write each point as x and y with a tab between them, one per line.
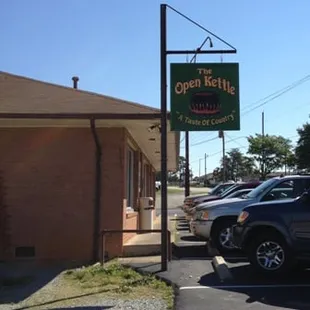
130	177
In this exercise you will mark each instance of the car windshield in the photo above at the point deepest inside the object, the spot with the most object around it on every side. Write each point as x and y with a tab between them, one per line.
260	189
239	194
228	191
215	189
221	189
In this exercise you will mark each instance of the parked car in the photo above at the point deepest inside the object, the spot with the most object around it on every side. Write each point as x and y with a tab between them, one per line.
239	193
157	185
213	220
216	191
275	235
230	190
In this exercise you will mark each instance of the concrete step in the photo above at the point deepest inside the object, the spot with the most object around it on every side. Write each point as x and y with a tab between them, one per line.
143	245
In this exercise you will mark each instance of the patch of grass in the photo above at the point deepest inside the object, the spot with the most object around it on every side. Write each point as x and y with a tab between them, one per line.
121	280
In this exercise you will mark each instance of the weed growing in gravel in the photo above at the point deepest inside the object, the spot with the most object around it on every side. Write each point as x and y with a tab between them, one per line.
119	279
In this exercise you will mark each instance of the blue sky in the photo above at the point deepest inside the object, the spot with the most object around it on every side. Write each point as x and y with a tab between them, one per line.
113	46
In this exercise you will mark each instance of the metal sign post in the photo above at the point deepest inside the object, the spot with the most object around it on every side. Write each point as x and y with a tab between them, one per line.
163	103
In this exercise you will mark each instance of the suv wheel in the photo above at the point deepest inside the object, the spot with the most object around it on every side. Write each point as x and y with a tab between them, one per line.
222	236
269	254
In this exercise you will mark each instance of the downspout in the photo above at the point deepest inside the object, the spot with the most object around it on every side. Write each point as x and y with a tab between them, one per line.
97	198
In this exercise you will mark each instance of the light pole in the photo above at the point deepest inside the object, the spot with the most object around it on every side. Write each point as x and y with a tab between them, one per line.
206	179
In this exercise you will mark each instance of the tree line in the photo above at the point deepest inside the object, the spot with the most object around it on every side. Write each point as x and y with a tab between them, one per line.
266	154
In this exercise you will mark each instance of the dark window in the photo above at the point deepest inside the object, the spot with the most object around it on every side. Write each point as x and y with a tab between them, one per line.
284	190
130	178
25	251
305	184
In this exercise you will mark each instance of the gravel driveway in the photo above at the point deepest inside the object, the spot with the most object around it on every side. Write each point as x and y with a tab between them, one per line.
55	293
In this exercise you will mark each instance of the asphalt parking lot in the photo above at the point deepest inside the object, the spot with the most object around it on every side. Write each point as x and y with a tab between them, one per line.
202	286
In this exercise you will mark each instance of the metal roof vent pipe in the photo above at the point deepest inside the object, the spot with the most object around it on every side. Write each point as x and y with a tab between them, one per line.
75	80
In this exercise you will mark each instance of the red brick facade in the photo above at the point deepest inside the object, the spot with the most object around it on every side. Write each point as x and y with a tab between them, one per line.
47	190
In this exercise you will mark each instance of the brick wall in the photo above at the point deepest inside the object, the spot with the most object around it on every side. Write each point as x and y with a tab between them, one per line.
49	176
112	141
49	179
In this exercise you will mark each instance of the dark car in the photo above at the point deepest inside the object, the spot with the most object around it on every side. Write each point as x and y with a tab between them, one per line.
235	187
216	191
220	188
275	234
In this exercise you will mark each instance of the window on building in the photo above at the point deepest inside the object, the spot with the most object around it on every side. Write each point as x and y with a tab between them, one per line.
130	178
145	180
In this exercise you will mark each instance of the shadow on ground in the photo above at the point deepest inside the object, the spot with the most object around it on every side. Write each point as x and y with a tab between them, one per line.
294	296
66	299
20	280
191	239
87	308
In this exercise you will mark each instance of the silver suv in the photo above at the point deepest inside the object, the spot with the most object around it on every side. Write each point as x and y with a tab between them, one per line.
213	220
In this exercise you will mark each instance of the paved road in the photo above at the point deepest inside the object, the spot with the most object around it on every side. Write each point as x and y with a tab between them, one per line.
174	201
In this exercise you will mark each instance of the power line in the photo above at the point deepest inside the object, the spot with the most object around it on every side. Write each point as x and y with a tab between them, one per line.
234	139
276	96
230	140
276	92
205	141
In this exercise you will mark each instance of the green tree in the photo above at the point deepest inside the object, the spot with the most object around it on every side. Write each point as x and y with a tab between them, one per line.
238	165
218	174
269	152
290	161
178	175
302	150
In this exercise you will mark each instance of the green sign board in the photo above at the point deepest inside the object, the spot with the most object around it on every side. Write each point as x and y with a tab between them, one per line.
204	97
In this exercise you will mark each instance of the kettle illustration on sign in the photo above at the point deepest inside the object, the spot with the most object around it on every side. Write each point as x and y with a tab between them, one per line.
205	103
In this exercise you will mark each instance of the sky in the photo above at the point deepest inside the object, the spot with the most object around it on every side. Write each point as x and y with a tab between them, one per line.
113	46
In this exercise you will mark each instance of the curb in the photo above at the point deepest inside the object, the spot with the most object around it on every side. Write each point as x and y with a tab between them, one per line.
221	268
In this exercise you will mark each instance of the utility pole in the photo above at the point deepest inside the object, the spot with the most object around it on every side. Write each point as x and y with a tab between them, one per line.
205	169
285	164
222	135
186	183
224	158
263	145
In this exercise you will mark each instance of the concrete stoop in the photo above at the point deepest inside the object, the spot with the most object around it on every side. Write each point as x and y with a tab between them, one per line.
144	244
143	250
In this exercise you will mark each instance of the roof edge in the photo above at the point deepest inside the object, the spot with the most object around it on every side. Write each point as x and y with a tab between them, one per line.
81	91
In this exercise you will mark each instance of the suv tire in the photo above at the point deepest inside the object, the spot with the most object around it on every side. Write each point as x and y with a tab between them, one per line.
222	231
269	254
